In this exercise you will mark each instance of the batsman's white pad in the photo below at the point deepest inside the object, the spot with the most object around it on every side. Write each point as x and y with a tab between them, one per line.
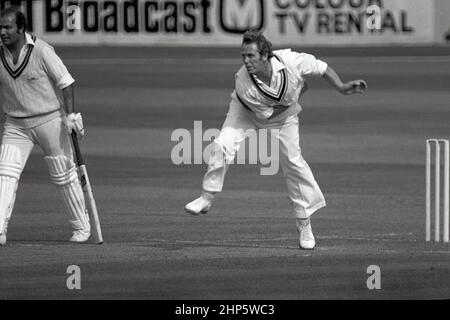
10	170
10	161
64	174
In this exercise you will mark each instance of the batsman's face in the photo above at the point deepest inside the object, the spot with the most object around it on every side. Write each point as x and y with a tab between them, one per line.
9	33
253	60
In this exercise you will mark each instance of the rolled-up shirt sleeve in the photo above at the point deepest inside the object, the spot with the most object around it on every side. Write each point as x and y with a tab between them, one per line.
56	69
307	65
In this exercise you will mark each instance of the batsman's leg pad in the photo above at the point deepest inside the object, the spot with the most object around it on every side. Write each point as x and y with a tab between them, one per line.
10	171
64	174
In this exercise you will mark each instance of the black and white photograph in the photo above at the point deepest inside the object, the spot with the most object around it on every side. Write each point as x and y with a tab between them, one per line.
223	157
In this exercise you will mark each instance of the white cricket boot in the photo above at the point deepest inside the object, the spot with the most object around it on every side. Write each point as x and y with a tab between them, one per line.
200	205
80	236
306	237
3	234
2	239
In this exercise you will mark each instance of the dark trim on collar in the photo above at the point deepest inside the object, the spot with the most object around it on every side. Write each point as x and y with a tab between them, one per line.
283	87
17	72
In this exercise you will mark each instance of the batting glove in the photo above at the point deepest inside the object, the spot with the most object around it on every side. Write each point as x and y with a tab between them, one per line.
74	122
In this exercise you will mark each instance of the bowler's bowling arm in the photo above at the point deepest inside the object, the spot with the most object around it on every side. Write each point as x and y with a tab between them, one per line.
350	87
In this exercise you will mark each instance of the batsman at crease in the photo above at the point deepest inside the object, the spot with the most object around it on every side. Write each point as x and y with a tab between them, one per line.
267	89
38	101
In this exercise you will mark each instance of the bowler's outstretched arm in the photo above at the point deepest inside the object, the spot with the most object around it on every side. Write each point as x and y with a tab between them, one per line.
350	87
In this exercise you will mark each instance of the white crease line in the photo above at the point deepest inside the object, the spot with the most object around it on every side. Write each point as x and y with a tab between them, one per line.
217	243
392	234
376	237
336	249
215	61
368	239
242	242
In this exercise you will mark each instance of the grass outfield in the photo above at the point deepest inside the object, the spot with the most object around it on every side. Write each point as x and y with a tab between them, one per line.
366	151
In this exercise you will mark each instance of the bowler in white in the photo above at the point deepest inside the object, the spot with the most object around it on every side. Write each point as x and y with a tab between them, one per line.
267	89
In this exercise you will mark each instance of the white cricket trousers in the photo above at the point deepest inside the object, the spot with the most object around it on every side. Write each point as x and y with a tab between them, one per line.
303	190
51	136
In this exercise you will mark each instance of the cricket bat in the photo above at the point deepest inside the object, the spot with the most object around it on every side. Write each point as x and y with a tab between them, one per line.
87	190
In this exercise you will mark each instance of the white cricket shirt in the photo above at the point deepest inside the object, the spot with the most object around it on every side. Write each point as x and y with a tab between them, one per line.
31	87
288	71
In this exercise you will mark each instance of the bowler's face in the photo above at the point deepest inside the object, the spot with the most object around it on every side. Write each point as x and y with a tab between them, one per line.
253	60
9	34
